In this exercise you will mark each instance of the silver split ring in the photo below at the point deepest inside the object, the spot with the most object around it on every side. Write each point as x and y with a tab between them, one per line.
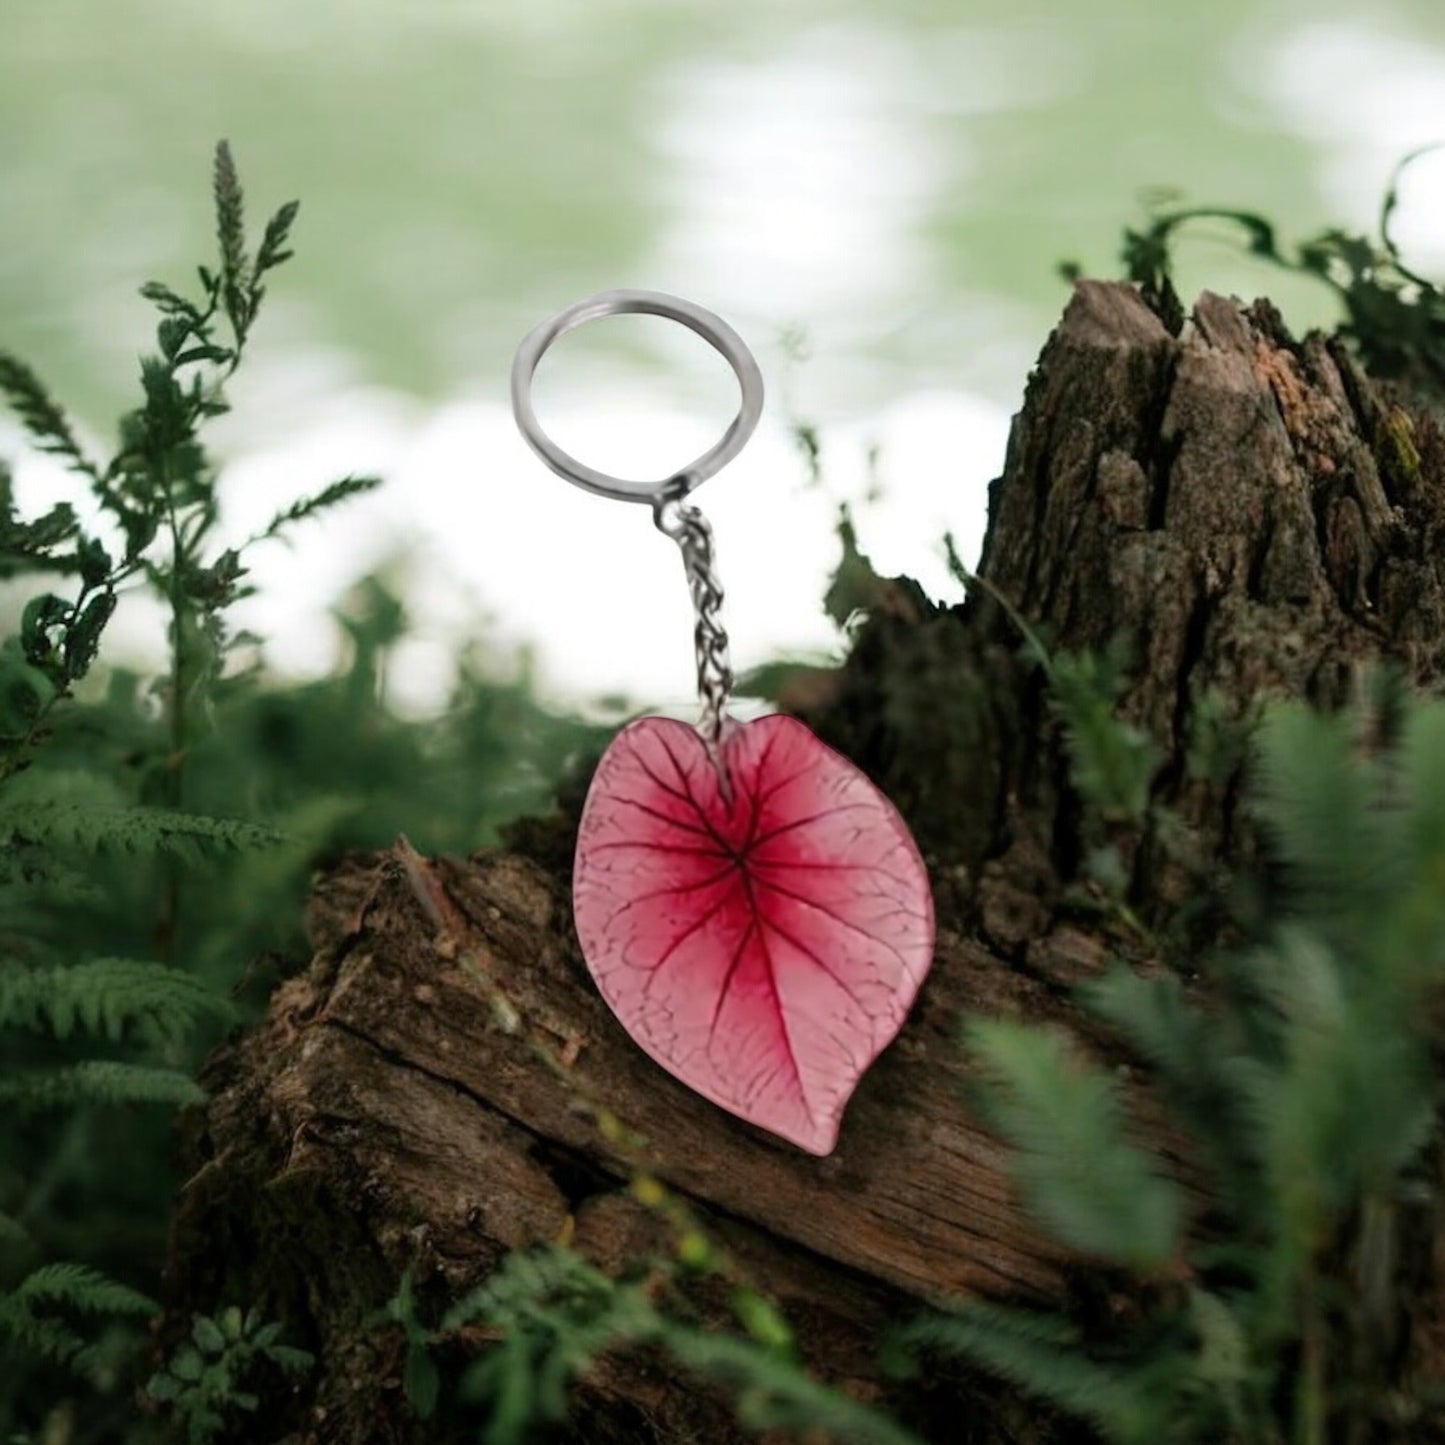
713	329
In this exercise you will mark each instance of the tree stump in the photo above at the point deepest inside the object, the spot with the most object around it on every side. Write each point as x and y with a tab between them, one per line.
1250	515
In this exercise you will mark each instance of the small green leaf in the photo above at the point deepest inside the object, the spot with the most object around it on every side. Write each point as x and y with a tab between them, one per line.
82	642
187	1364
422	1381
41	614
171	335
290	1358
208	1336
24	692
163	1387
760	1318
95	563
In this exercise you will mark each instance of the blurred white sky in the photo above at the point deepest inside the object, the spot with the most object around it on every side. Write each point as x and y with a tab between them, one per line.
793	183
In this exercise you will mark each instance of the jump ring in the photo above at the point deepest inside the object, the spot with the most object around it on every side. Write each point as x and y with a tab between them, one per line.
713	329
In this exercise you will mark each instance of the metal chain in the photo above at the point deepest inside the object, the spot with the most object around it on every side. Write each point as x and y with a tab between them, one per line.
690	530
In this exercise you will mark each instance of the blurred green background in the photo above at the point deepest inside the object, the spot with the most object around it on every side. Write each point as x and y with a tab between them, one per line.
894	183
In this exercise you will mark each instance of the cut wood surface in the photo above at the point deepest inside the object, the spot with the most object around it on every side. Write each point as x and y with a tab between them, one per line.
1250	514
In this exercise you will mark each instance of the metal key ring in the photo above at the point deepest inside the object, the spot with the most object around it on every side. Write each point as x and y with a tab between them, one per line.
713	329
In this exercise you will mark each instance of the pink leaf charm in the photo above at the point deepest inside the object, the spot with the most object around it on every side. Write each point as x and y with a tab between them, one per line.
763	948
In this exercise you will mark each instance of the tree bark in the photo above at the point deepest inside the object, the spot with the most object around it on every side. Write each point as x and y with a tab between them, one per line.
1250	515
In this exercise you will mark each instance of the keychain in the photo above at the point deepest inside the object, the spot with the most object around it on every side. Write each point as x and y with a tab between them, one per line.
753	910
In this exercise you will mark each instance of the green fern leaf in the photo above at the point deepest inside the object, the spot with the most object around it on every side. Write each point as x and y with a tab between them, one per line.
1412	933
129	831
108	996
1112	761
1190	1049
306	507
1322	805
25	1317
774	1393
1130	1405
51	1339
1079	1176
1352	1103
29	876
81	1288
1223	1364
97	1081
1422	791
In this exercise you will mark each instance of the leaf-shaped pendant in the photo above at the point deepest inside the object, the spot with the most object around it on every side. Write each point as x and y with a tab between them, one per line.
762	941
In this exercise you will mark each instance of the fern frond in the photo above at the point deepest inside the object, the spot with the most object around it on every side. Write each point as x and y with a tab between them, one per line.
1223	1366
41	415
81	1288
1079	1176
1342	856
558	1313
106	996
97	1081
774	1393
1190	1050
1112	762
231	232
1046	1329
1130	1405
129	831
29	874
306	507
1412	934
1422	785
1353	1103
51	1339
524	1279
25	1310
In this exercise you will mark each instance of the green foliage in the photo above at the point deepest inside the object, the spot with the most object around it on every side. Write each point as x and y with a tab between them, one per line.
1305	1076
110	997
202	1385
1394	316
157	834
1111	762
324	500
421	1379
33	1315
771	1392
556	1313
1044	1355
59	828
92	828
1079	1176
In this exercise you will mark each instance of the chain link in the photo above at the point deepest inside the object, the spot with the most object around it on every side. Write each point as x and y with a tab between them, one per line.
687	526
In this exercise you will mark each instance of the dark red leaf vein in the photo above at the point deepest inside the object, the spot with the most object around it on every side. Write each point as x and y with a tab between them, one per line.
836	917
676	888
653	846
686	782
811	818
755	862
722	992
811	956
702	832
677	942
